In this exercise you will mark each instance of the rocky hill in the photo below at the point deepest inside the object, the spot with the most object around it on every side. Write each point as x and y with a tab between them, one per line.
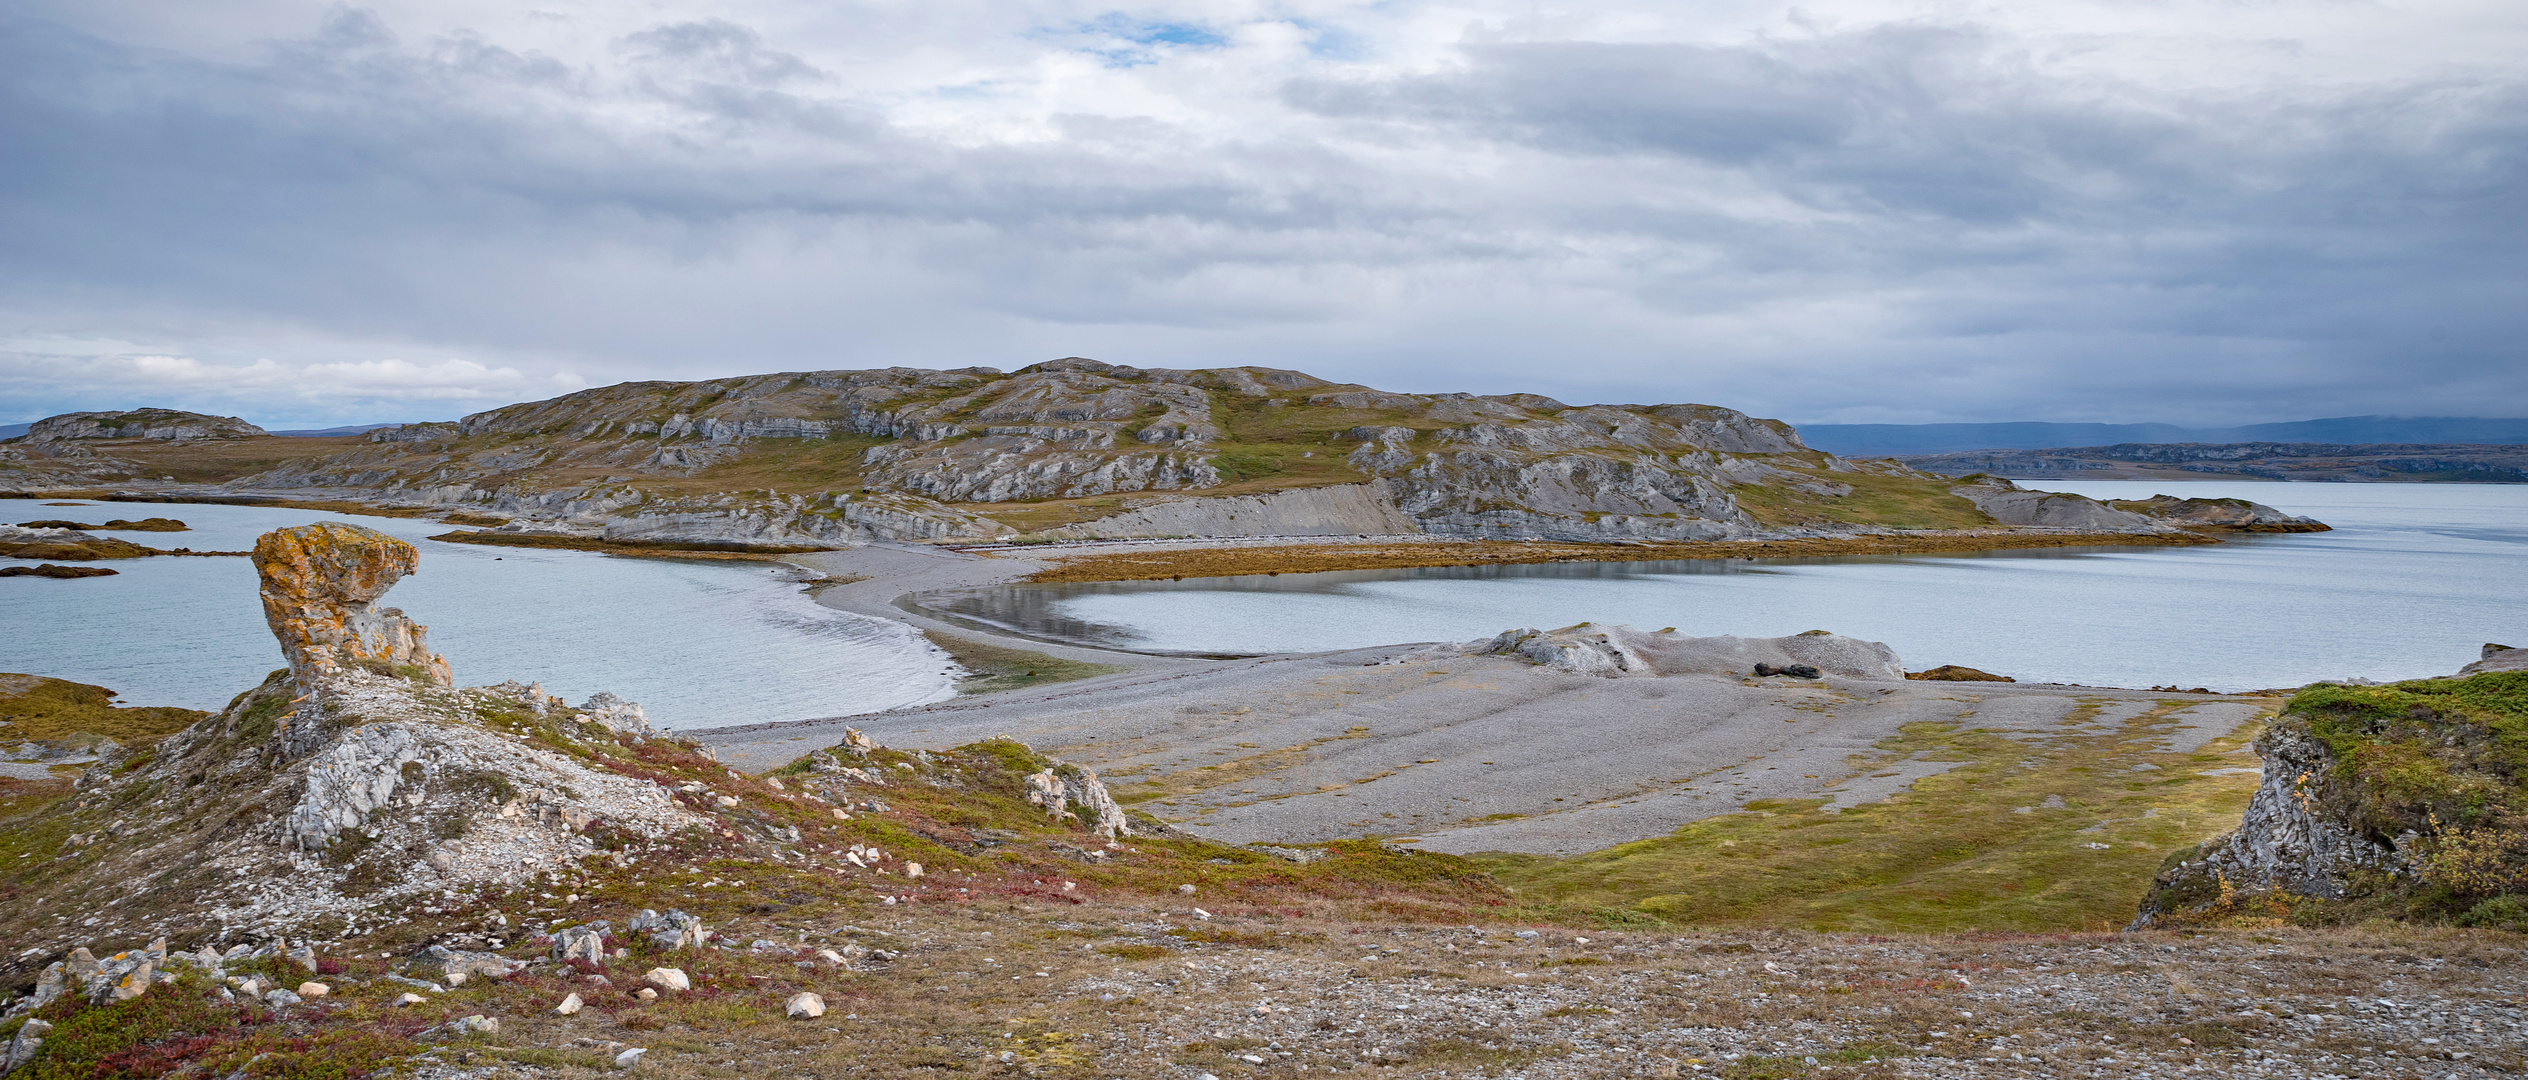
2403	801
2401	462
163	424
1075	448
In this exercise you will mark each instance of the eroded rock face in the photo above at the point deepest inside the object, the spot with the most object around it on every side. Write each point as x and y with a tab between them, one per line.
320	587
2290	839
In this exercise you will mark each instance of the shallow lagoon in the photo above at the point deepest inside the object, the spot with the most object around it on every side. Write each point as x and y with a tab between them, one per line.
698	644
2414	579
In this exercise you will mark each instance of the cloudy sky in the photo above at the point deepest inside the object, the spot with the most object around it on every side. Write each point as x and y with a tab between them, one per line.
1843	211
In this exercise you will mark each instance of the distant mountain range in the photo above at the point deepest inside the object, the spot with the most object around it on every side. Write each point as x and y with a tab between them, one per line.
1890	440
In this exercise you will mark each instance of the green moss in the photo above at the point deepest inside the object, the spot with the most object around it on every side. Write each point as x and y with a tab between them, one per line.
36	707
1892	501
995	668
1948	854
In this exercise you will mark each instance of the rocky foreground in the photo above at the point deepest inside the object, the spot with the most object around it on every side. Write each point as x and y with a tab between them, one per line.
358	868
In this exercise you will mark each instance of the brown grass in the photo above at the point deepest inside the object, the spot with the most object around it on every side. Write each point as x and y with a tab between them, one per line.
1314	558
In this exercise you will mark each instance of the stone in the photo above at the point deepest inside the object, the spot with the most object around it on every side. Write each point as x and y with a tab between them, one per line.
320	585
569	1006
646	994
281	999
630	1058
1185	890
805	1006
829	956
475	1023
912	869
1063	787
673	930
581	943
668	979
314	989
409	998
24	1045
1796	671
616	714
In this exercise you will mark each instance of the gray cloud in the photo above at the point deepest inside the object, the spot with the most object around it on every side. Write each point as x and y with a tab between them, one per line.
1906	222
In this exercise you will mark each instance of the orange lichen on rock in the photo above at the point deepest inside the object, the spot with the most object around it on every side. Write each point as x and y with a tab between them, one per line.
319	584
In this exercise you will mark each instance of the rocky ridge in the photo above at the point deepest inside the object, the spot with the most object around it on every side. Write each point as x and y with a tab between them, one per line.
1078	448
163	424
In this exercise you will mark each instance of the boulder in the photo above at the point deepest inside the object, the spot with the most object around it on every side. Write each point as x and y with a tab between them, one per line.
1796	671
673	930
805	1006
1064	787
570	1005
616	714
671	979
24	1045
581	943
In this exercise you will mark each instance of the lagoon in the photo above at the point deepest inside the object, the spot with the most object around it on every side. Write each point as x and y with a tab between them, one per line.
698	644
2414	579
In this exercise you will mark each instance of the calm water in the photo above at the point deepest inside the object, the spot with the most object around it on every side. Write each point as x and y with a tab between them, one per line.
2413	581
697	644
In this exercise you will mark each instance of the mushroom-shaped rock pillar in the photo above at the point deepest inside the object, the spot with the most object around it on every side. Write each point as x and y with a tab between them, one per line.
320	586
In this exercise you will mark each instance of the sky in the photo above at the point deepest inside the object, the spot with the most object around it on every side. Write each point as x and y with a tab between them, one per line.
1854	211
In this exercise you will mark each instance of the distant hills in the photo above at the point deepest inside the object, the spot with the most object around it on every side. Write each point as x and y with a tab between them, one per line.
1899	440
11	431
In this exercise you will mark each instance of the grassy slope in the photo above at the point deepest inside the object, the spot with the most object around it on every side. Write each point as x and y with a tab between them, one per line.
996	668
1949	854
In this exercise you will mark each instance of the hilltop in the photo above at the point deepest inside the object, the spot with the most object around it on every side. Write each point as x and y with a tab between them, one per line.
1075	449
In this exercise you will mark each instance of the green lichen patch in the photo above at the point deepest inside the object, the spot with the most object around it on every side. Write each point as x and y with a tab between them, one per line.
36	707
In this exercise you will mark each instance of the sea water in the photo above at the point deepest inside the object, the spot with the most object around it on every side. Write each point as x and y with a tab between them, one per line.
698	644
2412	582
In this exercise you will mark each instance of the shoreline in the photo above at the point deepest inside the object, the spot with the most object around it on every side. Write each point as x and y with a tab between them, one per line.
1207	557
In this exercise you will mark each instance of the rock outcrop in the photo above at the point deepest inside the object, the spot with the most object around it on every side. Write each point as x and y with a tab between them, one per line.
167	424
2407	799
2009	504
320	586
1073	793
2223	515
355	779
1621	652
2497	658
